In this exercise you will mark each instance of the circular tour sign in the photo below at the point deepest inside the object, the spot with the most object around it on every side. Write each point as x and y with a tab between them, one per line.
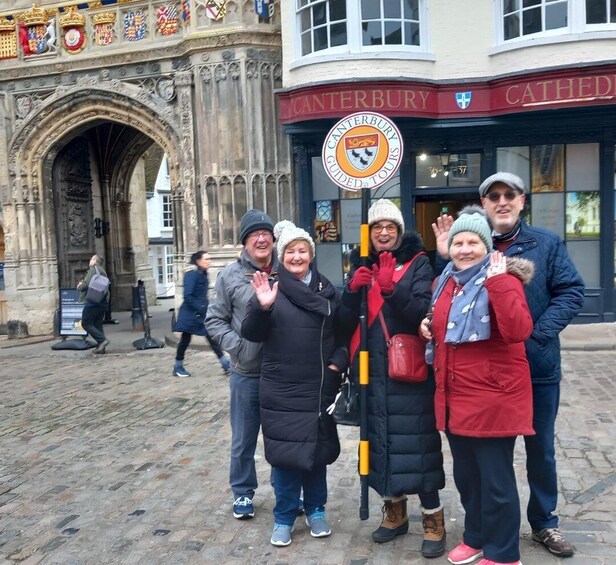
363	150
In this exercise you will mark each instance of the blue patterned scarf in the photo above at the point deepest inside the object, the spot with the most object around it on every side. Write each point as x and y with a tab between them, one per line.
469	315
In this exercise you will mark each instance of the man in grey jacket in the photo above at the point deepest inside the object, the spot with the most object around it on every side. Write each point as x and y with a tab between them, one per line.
223	322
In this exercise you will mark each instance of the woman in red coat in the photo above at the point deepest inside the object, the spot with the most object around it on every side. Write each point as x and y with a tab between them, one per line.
483	391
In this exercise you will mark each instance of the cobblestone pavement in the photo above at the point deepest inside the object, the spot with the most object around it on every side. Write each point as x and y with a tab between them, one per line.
111	460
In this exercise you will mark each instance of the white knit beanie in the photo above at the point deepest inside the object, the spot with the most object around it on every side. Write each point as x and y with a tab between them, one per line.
385	209
289	233
282	224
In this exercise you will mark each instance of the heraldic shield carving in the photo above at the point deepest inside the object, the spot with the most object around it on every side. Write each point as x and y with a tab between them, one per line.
73	30
167	20
37	33
103	27
134	25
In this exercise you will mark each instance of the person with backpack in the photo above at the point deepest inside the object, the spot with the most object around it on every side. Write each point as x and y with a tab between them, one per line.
95	304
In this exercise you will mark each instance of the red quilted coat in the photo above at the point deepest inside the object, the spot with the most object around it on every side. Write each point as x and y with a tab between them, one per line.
483	388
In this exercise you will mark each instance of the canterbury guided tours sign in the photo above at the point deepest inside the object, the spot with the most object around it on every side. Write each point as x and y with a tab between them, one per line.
363	150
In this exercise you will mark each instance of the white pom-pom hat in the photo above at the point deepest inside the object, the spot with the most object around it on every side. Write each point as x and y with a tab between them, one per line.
289	233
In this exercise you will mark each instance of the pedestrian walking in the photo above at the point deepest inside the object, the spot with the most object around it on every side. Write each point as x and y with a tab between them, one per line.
404	444
94	312
223	322
555	296
480	320
191	318
295	318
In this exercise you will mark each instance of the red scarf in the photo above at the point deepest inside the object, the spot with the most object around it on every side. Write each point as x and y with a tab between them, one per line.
376	301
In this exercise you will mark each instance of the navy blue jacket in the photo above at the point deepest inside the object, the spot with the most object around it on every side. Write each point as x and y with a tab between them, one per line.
191	318
555	295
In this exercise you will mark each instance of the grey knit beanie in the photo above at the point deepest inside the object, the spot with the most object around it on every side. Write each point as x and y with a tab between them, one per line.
289	233
385	209
473	219
254	220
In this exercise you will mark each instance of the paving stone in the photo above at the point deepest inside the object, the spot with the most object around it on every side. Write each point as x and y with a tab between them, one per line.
98	458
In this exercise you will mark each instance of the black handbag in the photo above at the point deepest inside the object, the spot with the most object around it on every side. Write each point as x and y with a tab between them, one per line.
345	409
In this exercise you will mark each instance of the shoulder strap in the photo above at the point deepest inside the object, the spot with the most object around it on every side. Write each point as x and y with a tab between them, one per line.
375	303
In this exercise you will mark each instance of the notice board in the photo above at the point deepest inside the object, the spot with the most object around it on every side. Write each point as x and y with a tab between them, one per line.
70	312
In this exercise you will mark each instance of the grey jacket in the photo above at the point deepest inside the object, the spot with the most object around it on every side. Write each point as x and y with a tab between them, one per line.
226	312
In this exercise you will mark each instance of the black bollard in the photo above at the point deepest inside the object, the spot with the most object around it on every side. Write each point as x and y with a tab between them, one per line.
136	313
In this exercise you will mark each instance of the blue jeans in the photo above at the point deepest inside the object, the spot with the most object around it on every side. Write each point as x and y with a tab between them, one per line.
541	460
484	476
245	425
288	484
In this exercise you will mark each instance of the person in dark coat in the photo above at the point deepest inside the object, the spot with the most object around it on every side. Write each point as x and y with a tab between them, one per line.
295	318
404	444
480	320
191	318
555	296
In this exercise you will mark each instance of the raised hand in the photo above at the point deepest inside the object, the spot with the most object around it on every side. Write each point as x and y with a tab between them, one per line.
384	272
498	264
441	232
265	294
361	278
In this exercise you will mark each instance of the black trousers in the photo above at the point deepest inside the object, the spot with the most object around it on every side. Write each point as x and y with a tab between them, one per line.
185	342
92	320
484	476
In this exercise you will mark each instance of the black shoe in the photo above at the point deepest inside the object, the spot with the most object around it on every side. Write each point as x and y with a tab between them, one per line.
102	347
554	541
383	535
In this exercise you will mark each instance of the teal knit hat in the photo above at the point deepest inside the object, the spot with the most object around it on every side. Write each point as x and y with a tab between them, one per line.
473	219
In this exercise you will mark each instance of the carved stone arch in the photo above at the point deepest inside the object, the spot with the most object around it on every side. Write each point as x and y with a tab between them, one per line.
89	104
31	261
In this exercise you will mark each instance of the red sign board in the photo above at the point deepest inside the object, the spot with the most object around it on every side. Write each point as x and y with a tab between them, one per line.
558	89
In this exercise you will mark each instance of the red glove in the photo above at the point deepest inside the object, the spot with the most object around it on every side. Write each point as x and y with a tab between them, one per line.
361	278
384	272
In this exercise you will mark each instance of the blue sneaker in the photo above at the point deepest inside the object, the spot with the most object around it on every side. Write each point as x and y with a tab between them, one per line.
243	508
281	535
319	528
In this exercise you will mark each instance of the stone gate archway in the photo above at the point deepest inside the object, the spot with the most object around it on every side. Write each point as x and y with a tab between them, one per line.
31	265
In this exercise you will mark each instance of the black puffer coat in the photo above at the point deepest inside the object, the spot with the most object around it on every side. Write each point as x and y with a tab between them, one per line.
296	386
405	447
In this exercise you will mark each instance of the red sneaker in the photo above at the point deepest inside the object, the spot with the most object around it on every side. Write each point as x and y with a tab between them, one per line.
462	554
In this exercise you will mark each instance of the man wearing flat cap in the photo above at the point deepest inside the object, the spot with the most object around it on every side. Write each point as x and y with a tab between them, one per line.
555	296
223	322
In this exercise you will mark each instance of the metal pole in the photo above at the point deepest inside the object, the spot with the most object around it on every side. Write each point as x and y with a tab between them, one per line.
364	451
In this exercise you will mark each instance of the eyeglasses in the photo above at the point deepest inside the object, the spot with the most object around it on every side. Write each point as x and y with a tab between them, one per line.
496	196
260	233
389	228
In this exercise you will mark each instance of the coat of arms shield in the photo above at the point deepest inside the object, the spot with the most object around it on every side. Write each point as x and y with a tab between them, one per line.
167	20
361	150
134	25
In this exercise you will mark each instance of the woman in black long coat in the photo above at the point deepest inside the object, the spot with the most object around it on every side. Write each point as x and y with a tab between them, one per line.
300	376
191	318
405	447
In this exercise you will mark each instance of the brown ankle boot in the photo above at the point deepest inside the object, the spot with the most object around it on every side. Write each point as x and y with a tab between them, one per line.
434	538
395	521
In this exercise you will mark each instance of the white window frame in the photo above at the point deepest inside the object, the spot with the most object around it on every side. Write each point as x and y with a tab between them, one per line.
166	211
354	47
576	29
